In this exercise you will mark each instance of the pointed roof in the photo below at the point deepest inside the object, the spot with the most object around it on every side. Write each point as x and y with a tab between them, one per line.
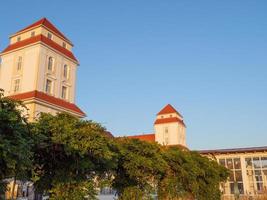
46	23
168	109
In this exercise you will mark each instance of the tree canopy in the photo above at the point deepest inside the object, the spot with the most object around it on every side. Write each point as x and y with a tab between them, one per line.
71	158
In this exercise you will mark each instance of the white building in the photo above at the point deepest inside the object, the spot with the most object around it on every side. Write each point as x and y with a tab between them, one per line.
39	68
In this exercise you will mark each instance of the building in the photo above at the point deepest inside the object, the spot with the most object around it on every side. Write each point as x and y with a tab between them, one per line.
39	68
248	165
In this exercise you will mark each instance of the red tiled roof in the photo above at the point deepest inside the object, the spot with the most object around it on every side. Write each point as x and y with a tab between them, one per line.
145	137
49	99
169	120
46	23
45	40
169	109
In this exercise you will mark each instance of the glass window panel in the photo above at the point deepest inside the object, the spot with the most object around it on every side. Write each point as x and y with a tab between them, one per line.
264	162
237	163
259	186
232	188
231	177
238	176
222	162
248	163
256	163
229	163
258	176
264	173
240	188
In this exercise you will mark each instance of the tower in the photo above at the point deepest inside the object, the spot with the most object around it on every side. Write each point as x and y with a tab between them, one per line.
169	127
39	68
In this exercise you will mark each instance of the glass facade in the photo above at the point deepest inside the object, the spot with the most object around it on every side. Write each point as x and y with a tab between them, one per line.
256	170
235	181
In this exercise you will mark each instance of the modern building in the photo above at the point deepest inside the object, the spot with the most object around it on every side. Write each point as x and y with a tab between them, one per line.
39	68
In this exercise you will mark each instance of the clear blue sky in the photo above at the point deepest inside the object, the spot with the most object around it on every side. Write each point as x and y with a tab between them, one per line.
206	58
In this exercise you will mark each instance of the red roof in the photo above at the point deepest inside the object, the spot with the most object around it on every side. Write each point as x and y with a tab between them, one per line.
169	109
169	120
49	99
145	137
43	39
46	23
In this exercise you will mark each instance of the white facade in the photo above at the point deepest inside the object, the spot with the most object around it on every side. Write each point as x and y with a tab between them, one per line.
39	59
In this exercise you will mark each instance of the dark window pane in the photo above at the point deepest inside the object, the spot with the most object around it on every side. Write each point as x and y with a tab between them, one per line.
222	162
258	176
264	162
240	188
238	176
229	163
232	188
231	178
237	163
259	186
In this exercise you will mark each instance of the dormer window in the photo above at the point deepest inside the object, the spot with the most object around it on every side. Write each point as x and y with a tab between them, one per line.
49	36
18	39
64	44
65	71
170	115
32	33
50	64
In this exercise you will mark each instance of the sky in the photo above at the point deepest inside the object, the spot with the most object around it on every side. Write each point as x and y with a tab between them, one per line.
207	58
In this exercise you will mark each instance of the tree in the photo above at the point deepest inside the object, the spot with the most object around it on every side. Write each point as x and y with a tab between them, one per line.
140	167
191	176
70	153
15	142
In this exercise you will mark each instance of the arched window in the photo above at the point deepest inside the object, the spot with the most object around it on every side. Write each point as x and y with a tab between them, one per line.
19	64
50	63
65	71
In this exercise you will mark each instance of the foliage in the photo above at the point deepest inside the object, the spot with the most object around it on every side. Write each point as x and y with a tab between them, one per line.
190	175
73	191
15	141
140	166
69	150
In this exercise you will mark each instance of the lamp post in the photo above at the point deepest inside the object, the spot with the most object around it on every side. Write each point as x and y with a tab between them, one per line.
236	191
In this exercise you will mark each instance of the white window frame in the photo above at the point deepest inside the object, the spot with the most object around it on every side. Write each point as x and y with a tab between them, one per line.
50	63
64	95
46	86
16	87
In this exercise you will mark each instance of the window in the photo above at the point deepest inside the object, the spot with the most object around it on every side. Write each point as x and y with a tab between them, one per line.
64	44
65	71
16	85
64	92
19	64
50	63
48	86
235	181
18	39
49	36
32	33
257	173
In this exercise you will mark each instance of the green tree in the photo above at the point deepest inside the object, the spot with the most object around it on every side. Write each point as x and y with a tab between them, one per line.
15	142
191	176
70	153
140	167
